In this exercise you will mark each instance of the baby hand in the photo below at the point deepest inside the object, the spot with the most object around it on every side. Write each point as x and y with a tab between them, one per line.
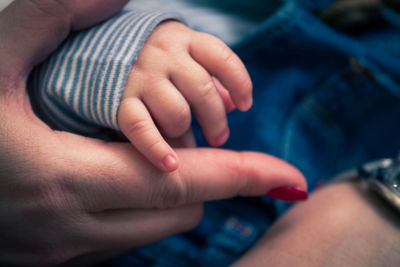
172	75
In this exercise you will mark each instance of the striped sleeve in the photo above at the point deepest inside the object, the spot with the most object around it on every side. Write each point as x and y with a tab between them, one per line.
79	87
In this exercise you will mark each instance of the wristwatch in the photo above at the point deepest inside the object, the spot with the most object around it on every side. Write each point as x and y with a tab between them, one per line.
382	176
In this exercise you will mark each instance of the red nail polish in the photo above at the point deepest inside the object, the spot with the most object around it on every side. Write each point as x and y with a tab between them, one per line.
288	193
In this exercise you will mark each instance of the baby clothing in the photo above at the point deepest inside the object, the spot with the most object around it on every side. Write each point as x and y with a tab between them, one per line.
81	84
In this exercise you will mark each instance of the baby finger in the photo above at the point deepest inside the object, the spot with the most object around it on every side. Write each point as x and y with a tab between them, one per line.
136	123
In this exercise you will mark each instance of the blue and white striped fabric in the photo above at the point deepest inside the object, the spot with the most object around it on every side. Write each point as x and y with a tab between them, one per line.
79	87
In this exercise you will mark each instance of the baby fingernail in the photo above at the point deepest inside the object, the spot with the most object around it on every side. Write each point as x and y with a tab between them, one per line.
221	139
288	193
170	162
247	103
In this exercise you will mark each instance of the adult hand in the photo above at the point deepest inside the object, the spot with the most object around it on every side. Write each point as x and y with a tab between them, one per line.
65	197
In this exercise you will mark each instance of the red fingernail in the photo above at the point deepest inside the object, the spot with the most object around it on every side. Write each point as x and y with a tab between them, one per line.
288	193
170	163
221	139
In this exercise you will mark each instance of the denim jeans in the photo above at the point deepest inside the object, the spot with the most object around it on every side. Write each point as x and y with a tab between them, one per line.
324	101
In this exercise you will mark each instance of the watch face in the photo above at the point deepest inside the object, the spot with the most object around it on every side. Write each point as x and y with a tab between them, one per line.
390	176
386	182
383	177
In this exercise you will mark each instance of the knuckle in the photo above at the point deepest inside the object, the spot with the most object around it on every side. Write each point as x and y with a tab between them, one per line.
240	182
159	47
173	193
47	204
207	91
137	127
153	146
181	122
152	53
183	116
161	37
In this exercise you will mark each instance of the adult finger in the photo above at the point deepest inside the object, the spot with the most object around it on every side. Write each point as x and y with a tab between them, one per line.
218	59
123	230
46	23
129	228
204	174
138	126
197	86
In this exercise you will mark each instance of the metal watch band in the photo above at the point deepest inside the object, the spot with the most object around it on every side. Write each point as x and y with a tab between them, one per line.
382	176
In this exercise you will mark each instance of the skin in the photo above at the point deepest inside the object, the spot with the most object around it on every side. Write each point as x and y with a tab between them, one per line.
344	224
172	75
65	198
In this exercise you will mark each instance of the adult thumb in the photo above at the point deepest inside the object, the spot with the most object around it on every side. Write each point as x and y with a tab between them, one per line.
31	29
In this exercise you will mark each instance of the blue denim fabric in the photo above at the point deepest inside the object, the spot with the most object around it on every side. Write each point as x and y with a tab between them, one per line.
323	101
